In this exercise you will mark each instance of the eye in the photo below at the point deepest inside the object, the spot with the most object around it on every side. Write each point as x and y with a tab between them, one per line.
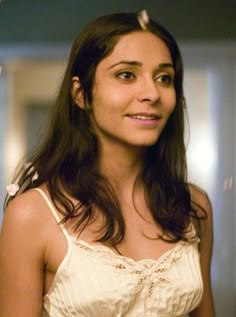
126	75
165	79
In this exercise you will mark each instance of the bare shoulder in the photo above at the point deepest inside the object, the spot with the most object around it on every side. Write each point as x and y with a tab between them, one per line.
201	202
26	209
23	241
203	207
26	216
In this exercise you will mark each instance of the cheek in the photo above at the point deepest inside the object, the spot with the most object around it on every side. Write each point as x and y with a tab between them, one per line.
106	106
109	99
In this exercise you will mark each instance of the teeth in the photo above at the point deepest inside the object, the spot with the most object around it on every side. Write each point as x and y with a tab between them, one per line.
144	117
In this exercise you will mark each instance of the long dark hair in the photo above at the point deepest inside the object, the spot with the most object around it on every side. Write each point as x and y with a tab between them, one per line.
67	161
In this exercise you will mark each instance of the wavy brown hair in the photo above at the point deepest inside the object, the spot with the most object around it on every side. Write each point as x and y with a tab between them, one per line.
67	161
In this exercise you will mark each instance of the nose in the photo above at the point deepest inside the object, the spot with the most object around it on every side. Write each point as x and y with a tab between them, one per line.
148	91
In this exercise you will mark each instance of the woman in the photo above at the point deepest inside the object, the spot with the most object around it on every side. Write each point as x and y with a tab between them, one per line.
104	222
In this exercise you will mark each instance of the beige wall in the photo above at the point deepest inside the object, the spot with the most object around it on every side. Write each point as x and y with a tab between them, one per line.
27	82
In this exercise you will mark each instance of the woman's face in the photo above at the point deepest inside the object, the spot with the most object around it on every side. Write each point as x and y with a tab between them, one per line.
133	94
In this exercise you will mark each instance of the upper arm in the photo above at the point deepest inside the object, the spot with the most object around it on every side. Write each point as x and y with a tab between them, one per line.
206	307
21	260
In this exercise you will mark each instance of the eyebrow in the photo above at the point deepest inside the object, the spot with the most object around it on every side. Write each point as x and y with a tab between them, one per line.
139	64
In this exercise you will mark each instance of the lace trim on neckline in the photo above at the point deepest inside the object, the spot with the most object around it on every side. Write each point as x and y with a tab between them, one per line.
106	252
109	256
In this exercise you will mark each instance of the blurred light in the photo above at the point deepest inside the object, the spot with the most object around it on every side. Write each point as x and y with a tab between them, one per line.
13	153
228	184
202	159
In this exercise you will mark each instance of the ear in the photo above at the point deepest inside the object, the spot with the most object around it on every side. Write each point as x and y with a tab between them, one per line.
77	92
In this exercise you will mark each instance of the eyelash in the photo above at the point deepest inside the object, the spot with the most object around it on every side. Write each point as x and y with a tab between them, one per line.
120	74
166	79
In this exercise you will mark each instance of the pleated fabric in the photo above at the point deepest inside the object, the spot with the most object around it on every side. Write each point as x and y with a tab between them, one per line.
94	281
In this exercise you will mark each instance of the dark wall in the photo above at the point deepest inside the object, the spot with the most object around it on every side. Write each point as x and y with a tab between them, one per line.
37	21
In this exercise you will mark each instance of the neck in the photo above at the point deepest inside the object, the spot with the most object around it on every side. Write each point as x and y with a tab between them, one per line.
121	165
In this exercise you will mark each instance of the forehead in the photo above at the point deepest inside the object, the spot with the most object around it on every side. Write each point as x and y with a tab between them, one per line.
141	46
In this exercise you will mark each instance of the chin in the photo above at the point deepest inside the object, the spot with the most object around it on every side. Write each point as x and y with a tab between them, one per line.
146	143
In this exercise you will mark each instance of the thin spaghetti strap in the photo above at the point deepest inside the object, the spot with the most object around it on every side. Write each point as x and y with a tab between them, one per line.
53	210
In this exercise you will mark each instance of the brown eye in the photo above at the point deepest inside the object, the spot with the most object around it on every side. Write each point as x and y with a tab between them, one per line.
126	75
165	79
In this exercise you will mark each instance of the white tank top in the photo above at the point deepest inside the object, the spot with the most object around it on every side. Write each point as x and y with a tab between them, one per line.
94	281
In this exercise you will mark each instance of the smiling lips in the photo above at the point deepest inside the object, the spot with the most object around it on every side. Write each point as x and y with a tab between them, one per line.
147	119
144	116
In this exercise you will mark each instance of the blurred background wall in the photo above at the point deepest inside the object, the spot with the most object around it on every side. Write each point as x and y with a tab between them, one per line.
35	38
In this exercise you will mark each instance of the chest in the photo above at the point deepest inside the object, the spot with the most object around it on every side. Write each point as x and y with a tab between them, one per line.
94	281
141	241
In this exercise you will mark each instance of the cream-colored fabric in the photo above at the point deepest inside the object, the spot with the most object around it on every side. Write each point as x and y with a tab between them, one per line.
94	281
